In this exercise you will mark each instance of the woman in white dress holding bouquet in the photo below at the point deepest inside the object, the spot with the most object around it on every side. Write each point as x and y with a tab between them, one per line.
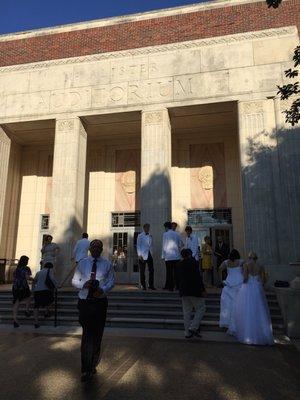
251	316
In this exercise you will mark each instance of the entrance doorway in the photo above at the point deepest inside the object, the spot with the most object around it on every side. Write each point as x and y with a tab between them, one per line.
43	233
212	223
125	230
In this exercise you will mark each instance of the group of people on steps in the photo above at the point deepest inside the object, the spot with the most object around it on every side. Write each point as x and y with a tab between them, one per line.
243	310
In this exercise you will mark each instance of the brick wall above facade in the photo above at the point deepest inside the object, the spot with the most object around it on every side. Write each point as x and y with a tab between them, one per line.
150	32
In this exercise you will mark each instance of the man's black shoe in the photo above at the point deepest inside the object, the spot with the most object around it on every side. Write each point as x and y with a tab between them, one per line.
144	288
86	376
152	288
196	333
190	335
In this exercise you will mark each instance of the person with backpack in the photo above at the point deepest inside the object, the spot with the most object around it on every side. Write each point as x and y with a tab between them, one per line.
44	285
20	288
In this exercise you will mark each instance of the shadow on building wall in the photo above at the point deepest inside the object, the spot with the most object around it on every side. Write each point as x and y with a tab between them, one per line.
271	195
156	200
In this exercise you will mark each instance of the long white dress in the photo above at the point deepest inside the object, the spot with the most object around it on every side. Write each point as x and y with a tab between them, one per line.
252	316
229	293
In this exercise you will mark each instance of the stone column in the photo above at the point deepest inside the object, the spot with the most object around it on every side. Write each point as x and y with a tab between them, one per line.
68	188
258	147
155	179
4	160
181	183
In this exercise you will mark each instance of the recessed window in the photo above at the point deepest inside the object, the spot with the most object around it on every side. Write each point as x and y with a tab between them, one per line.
207	217
120	220
45	222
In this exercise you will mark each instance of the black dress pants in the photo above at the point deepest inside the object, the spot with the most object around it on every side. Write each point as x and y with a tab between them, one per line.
92	317
172	276
142	265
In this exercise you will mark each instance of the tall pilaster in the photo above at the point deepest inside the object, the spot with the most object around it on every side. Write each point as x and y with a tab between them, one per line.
261	199
68	188
181	183
155	179
4	161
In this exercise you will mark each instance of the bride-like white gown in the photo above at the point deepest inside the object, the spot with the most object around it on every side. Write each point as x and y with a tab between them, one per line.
230	291
252	319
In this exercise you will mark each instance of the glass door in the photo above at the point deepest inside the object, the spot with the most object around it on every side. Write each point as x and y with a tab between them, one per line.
125	260
225	232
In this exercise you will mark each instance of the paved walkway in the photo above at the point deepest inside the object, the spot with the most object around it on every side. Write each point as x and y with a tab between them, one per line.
43	367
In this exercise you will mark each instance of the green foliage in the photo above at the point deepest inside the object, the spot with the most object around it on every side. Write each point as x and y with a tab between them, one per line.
292	115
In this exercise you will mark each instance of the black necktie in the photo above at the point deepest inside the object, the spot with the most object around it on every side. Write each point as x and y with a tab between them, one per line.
94	269
93	277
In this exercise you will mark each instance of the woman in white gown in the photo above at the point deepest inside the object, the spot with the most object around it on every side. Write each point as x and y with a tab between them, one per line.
232	285
252	316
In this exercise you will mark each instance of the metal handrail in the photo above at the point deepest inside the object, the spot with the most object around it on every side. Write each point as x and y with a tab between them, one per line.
56	295
55	308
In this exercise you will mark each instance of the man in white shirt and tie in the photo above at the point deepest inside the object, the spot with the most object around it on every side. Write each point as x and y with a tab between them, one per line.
94	276
81	248
145	251
171	247
191	242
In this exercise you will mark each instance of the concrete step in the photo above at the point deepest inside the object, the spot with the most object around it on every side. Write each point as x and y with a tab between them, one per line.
144	295
132	322
150	310
136	313
273	305
212	306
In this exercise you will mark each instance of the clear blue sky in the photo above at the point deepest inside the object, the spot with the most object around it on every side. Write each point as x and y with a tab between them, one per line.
20	15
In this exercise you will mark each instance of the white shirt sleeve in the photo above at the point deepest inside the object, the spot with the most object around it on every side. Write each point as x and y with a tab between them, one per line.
163	247
77	280
110	279
138	245
195	246
180	242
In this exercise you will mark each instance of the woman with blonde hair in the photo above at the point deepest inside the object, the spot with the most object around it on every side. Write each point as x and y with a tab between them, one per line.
252	316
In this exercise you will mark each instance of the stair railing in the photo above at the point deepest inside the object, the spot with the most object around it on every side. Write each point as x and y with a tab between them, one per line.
55	308
56	295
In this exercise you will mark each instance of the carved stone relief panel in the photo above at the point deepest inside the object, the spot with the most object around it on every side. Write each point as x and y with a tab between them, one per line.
207	175
127	179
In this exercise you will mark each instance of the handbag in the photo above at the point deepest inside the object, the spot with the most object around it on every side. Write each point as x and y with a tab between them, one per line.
48	281
282	284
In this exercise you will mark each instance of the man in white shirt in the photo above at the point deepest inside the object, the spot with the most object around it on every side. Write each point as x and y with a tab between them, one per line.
144	251
94	276
174	226
81	248
191	242
171	248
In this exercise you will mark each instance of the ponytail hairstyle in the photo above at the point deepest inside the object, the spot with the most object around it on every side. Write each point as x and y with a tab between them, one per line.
23	262
234	255
252	256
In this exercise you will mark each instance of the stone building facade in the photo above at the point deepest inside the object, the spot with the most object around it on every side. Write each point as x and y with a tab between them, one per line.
167	115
